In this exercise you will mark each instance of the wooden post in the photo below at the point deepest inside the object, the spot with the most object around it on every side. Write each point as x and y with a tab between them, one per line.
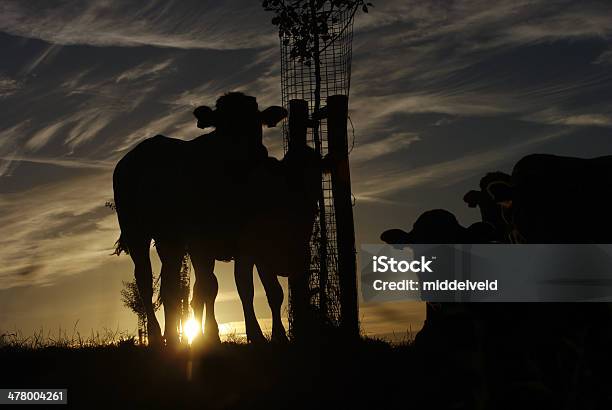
298	122
298	284
337	108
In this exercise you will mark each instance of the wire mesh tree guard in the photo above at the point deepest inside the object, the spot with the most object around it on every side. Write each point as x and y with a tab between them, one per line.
325	298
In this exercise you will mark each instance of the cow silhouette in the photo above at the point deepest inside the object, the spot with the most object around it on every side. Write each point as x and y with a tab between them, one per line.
439	226
493	199
216	197
453	336
551	199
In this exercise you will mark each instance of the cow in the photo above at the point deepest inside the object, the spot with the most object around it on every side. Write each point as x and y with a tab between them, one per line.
439	226
550	199
454	334
216	197
491	200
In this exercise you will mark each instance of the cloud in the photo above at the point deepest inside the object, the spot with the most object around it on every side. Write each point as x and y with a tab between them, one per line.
598	120
46	55
148	70
42	137
382	185
62	162
393	143
56	230
182	24
556	117
605	57
442	44
380	108
573	22
8	147
8	86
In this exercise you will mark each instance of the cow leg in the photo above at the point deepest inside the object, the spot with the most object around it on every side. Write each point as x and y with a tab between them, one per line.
274	293
171	256
139	252
205	292
243	274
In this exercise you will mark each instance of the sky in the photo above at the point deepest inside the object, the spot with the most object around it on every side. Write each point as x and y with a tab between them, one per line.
441	93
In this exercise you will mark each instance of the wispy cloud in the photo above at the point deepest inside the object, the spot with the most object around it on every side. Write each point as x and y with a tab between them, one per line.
181	24
8	86
63	162
56	230
148	70
605	57
45	55
556	117
598	120
446	173
380	147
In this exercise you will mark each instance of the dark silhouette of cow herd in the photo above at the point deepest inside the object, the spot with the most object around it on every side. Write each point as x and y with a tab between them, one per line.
221	197
547	199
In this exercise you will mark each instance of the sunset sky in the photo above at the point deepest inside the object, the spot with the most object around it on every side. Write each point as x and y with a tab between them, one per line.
441	93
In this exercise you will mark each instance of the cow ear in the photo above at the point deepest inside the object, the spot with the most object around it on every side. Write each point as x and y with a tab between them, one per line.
273	115
472	198
205	116
395	236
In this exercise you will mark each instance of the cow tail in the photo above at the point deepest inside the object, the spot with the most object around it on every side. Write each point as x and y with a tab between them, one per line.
121	246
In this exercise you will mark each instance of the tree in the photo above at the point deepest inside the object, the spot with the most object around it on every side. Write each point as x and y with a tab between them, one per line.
184	286
306	22
132	300
303	24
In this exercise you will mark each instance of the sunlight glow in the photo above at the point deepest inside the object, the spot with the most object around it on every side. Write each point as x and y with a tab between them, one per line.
191	329
226	329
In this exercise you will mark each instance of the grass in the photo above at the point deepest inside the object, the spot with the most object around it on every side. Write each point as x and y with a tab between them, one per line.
41	339
110	370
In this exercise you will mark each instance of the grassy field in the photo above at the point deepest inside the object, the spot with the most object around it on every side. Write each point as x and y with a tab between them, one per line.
368	374
232	375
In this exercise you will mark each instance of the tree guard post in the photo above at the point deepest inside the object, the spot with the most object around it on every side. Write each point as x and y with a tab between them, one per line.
298	284
298	122
337	109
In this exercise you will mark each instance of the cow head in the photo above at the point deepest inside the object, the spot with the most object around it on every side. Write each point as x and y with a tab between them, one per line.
237	114
435	226
439	226
494	199
495	188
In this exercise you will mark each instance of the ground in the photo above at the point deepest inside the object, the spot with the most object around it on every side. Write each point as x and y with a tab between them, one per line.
365	374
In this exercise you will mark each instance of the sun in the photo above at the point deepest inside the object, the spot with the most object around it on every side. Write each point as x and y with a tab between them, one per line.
191	329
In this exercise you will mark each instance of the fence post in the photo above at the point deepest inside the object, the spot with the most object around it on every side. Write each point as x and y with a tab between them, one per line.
298	284
337	108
